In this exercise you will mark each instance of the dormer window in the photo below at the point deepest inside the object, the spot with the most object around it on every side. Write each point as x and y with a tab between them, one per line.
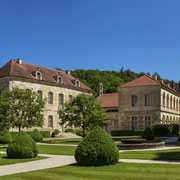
76	83
38	74
60	79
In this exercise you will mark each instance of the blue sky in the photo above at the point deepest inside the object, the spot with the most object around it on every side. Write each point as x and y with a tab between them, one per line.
142	35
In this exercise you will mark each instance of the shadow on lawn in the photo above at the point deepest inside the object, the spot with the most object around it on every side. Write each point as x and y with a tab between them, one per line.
170	156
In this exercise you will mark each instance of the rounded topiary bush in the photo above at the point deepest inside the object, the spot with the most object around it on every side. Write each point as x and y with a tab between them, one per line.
69	130
55	132
22	146
5	137
36	135
97	149
148	134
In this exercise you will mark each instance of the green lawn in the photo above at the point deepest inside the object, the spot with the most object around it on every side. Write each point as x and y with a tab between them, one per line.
4	160
173	154
123	171
63	141
59	150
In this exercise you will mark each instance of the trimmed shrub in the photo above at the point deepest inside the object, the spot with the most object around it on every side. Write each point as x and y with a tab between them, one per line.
97	149
13	133
175	129
69	130
165	129
22	147
36	135
5	137
148	134
79	132
126	133
55	132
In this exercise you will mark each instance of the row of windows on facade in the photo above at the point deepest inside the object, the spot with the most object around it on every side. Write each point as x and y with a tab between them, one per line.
134	122
146	100
50	98
59	79
170	102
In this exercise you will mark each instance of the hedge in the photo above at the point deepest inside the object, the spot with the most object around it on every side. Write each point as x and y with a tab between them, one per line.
55	132
126	133
165	129
69	130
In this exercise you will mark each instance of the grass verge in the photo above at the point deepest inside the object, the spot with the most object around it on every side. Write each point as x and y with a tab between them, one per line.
124	171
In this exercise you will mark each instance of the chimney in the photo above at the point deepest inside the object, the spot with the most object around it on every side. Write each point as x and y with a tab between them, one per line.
168	84
162	81
100	88
68	72
19	61
155	77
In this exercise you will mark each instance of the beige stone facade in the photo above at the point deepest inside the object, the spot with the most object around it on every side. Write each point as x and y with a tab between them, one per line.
48	85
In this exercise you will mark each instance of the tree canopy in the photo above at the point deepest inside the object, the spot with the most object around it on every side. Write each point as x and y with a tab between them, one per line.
20	108
83	111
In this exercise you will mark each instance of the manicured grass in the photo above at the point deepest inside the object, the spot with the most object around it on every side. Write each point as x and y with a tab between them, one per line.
123	171
4	160
173	154
50	149
63	141
59	150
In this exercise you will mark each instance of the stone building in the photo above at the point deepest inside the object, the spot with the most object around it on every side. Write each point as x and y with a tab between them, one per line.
142	102
56	86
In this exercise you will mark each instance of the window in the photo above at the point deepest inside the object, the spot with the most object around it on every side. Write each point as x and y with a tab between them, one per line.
40	94
77	83
70	97
147	100
60	79
134	101
61	101
50	98
38	76
147	121
134	123
50	121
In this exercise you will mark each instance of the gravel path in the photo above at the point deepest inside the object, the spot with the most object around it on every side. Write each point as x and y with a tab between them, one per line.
51	162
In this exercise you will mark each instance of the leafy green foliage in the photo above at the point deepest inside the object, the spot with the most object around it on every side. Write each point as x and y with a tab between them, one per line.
5	137
165	129
21	108
83	111
126	133
55	132
79	132
148	134
36	135
45	134
97	149
69	130
22	147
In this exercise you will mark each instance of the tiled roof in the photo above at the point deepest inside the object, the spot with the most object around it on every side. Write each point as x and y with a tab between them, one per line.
109	100
144	80
25	70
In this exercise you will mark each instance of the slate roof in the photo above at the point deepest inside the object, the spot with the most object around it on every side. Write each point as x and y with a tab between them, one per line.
25	70
109	100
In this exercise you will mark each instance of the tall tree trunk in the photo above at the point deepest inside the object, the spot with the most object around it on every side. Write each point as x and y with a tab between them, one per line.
19	128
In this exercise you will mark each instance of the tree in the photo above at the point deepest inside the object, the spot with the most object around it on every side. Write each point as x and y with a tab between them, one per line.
83	111
21	108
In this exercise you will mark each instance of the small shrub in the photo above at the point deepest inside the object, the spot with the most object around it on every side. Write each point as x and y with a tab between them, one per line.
148	134
55	132
5	137
36	135
70	130
22	146
126	133
97	149
79	132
